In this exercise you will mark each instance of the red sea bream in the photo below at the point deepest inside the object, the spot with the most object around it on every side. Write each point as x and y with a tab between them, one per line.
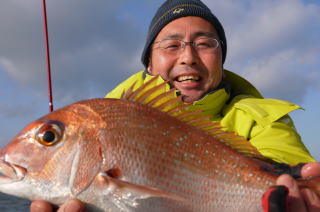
127	155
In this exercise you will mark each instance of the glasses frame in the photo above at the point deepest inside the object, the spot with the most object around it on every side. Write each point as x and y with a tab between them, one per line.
185	43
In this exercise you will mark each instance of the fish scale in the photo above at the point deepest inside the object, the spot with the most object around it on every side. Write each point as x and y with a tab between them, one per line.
126	155
178	171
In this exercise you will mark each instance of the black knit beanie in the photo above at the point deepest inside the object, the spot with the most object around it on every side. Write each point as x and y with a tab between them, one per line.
173	9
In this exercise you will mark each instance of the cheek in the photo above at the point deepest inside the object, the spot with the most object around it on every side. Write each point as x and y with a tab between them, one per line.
214	67
212	61
161	65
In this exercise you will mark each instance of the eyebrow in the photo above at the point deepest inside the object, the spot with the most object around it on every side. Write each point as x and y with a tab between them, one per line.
207	34
194	35
173	36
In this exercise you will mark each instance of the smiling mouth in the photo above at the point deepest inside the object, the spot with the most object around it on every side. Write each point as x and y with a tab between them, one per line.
188	78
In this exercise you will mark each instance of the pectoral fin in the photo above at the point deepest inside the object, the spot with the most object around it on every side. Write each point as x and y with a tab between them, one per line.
125	194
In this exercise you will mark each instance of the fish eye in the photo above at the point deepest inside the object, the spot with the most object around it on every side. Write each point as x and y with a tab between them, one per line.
50	133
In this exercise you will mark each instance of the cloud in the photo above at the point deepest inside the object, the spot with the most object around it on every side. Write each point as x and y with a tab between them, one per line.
273	43
94	46
91	46
270	27
282	75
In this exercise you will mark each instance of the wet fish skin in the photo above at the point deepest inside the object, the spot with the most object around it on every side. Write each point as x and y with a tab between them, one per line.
118	155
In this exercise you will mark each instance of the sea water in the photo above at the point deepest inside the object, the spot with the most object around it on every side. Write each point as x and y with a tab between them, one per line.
13	204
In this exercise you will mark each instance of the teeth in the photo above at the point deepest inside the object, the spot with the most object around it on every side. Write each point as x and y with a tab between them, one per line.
184	78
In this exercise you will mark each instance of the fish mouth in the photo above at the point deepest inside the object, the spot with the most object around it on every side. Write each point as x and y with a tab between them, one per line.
11	172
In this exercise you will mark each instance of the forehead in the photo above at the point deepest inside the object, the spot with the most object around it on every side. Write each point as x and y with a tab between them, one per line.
187	27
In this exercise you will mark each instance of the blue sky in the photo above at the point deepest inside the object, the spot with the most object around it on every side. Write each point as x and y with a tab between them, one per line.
97	44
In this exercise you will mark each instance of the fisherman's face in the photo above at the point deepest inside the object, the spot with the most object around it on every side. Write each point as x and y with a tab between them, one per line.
193	72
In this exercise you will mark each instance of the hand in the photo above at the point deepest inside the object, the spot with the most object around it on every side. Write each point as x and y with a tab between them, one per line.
72	205
303	200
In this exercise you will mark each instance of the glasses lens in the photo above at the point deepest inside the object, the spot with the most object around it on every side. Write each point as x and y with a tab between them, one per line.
205	43
170	45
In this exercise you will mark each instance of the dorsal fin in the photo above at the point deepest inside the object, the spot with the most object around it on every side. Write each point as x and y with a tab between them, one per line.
127	95
161	97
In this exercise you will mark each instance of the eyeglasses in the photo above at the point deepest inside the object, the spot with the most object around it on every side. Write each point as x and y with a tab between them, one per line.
175	46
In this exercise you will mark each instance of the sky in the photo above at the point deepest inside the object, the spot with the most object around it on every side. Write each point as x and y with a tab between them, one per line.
94	45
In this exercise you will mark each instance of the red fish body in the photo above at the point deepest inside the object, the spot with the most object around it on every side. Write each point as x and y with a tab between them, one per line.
119	155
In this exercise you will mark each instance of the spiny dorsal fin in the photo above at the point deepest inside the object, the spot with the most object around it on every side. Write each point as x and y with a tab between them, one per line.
161	97
128	93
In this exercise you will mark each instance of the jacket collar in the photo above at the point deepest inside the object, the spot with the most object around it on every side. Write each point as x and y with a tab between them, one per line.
231	86
212	103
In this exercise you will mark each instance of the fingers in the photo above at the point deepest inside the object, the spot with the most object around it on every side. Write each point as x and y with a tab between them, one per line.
303	200
311	199
72	205
311	170
40	206
295	200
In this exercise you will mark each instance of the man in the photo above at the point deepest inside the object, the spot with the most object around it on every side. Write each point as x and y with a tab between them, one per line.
186	46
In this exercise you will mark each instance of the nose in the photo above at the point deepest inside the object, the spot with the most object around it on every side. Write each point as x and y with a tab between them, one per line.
188	55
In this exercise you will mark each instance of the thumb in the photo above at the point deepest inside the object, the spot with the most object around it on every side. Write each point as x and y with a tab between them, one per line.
311	170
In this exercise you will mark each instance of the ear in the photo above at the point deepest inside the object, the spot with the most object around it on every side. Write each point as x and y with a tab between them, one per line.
149	68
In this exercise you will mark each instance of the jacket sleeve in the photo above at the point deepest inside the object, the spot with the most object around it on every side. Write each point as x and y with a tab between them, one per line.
280	142
266	123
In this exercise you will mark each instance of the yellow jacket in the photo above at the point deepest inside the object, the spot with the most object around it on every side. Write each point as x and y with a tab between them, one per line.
264	122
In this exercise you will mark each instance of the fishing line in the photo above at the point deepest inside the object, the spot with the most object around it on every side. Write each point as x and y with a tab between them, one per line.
47	55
